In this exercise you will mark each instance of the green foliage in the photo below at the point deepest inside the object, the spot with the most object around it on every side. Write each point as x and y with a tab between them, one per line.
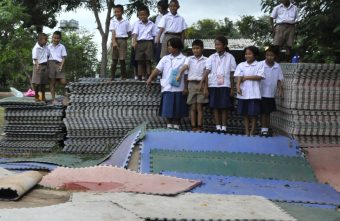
257	29
81	60
209	28
318	31
15	46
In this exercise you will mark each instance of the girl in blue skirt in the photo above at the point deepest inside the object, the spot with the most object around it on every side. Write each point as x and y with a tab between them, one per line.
249	74
173	103
218	78
271	85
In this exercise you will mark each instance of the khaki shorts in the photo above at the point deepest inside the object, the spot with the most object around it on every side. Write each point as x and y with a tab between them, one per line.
40	75
284	35
166	38
53	70
120	51
144	50
195	94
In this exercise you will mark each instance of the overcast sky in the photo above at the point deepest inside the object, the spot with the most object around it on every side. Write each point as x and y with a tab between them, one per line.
191	10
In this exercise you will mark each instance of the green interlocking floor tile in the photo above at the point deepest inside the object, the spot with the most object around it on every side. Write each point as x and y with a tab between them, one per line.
231	164
303	213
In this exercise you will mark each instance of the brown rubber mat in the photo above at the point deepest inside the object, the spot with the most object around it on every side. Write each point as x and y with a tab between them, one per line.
326	164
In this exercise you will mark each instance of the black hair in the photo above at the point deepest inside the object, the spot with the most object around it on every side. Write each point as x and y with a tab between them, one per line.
120	7
253	49
163	4
273	48
41	35
176	43
223	40
144	8
174	1
198	42
57	33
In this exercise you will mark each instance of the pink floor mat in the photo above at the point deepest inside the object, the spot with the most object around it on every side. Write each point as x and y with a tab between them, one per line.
326	164
112	179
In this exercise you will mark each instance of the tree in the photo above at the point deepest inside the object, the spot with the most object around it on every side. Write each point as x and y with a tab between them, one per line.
81	59
16	44
210	28
318	31
257	29
97	6
42	12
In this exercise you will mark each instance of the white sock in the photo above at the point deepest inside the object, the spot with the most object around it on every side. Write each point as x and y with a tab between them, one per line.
224	128
176	126
264	129
169	125
218	127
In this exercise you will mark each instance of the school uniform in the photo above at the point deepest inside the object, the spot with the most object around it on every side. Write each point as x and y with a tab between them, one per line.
121	28
219	80
158	47
268	87
173	102
195	74
145	33
40	74
285	19
56	54
249	103
174	26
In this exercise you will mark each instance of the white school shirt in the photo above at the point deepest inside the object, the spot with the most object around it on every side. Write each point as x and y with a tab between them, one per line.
281	14
250	89
196	67
56	52
220	65
158	19
121	27
145	31
172	23
40	53
165	65
272	76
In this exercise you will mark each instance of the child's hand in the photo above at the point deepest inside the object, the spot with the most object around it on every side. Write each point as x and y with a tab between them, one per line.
231	92
114	44
243	79
134	45
148	83
185	91
178	77
205	92
239	91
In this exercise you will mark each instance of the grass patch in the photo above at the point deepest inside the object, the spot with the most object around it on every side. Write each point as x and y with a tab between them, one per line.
2	116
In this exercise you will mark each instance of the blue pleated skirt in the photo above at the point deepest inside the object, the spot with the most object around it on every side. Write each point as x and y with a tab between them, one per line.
173	105
249	107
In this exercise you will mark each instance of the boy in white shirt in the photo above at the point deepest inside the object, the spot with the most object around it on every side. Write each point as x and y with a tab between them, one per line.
40	74
172	25
121	29
56	60
195	65
143	38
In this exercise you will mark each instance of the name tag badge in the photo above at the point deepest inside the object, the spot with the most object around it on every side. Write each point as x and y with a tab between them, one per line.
220	79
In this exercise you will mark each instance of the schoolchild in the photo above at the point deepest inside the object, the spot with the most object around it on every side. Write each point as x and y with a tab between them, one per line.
121	30
195	65
173	105
40	74
270	86
249	74
172	25
220	68
143	35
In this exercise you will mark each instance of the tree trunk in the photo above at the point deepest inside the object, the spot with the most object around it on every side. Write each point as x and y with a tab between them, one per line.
104	60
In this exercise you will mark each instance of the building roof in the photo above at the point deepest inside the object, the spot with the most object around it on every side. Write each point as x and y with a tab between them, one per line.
234	44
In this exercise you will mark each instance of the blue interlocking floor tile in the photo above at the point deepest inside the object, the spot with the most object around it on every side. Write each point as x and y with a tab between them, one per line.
189	141
277	190
28	166
120	156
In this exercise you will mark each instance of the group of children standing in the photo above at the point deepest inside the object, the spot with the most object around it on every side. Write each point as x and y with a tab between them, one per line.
48	63
197	80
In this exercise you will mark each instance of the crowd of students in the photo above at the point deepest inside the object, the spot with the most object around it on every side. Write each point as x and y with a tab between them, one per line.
195	81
